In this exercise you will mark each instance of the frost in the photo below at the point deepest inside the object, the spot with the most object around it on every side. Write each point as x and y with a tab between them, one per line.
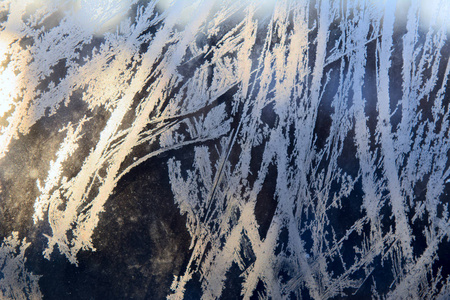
307	141
15	281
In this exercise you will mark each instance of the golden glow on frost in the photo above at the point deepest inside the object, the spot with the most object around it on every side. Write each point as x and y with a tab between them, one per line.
8	82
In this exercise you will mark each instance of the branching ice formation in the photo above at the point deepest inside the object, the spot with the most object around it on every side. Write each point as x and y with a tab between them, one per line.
318	133
15	281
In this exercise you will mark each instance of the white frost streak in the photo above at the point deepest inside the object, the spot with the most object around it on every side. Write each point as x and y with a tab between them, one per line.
338	150
384	128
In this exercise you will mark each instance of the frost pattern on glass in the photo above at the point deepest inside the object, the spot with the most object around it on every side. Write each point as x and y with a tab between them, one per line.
317	134
15	281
